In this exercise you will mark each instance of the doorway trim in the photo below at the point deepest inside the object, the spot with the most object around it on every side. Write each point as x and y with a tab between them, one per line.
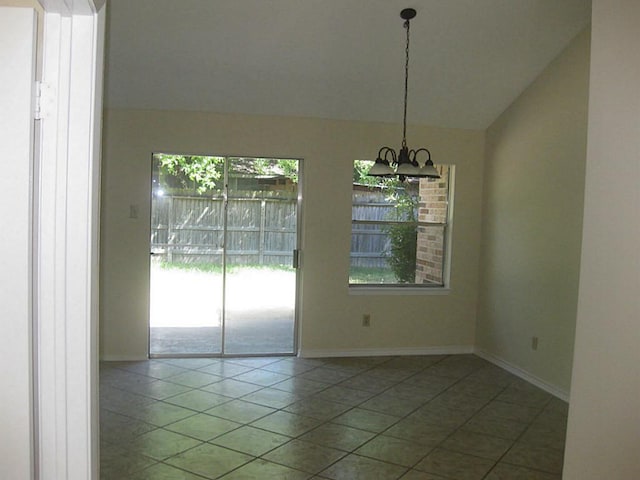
65	244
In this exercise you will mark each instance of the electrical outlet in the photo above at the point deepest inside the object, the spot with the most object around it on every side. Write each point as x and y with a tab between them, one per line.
366	320
534	343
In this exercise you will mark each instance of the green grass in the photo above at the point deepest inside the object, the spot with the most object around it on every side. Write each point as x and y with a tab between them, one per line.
371	275
213	268
356	274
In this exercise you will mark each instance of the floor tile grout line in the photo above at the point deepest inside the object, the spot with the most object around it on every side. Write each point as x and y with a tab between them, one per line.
305	471
455	430
179	468
515	441
439	445
376	434
353	372
344	452
354	406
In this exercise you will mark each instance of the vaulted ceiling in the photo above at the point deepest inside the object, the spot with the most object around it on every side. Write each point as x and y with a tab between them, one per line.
339	59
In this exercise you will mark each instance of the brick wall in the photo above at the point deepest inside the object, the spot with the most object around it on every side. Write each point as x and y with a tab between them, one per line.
432	208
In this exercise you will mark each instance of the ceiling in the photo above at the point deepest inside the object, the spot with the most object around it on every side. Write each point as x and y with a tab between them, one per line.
339	59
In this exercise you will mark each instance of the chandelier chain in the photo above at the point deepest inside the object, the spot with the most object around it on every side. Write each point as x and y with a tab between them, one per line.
404	163
406	87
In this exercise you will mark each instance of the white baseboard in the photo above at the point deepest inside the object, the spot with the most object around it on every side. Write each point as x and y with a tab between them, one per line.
385	352
523	374
123	358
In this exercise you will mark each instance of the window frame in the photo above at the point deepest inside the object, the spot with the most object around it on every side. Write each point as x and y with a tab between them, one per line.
415	288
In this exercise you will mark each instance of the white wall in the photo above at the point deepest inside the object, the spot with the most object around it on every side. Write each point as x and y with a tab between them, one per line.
603	436
532	218
17	76
330	317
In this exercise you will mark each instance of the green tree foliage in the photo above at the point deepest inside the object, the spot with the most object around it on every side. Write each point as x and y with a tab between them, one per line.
361	177
191	171
206	173
280	166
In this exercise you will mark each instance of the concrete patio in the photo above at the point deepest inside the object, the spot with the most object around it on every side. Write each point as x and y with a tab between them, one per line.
186	312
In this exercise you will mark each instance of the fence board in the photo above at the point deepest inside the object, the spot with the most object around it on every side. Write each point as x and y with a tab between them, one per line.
259	231
191	230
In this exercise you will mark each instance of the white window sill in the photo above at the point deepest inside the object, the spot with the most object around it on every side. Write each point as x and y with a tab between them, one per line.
393	290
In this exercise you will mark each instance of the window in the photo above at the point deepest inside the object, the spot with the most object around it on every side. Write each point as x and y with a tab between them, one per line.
400	230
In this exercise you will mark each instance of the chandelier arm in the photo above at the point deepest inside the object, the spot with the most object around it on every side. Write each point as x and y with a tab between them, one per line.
412	156
423	150
387	151
394	158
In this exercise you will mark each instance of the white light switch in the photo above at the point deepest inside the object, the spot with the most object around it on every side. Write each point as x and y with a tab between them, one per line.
133	211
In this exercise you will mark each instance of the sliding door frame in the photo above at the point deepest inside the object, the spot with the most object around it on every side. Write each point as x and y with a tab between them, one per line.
297	261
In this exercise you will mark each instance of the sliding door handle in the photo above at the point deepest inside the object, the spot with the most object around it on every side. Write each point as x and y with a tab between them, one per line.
296	258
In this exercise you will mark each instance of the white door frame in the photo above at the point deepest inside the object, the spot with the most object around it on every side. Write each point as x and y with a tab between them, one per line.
66	233
17	76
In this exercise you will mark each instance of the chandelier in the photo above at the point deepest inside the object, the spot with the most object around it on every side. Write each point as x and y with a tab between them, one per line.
404	163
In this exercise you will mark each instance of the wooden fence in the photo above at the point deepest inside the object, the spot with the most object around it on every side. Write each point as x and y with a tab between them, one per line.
259	231
191	230
368	240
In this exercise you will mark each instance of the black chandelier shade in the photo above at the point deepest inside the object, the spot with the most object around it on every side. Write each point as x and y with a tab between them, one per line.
406	163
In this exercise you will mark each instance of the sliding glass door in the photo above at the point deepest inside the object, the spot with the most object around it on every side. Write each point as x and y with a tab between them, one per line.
224	237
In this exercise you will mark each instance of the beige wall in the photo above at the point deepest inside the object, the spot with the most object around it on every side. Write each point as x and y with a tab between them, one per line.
603	434
330	318
21	3
532	219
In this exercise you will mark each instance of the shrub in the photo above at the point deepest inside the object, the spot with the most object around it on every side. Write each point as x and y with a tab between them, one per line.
403	239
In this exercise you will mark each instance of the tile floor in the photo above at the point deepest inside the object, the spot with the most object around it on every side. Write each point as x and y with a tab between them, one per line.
415	418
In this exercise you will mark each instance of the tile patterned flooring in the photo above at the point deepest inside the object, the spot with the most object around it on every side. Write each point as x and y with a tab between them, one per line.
416	418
